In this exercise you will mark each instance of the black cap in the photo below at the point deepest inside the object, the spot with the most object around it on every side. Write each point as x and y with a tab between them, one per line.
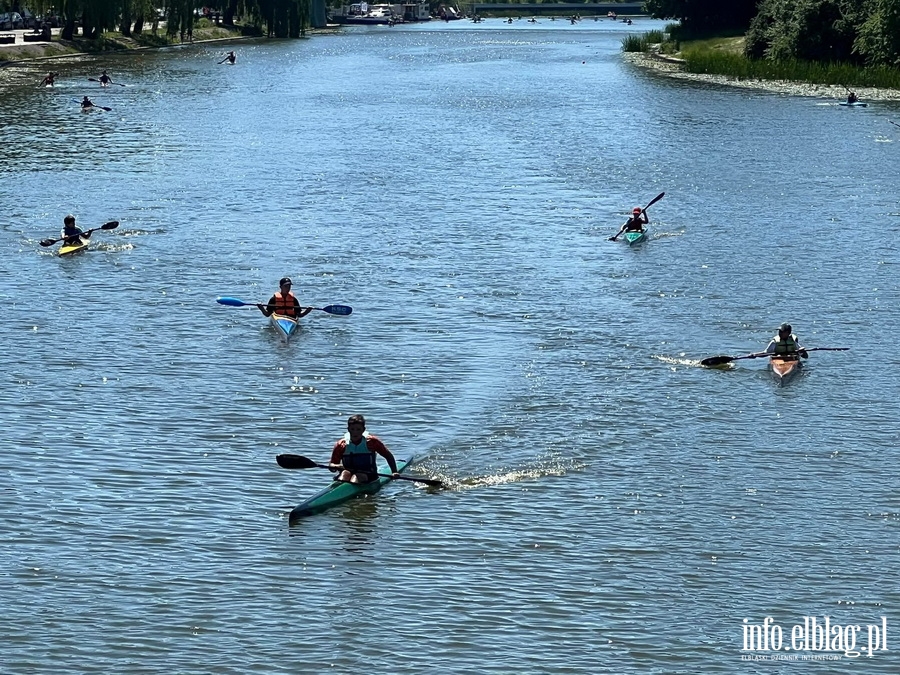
785	328
285	280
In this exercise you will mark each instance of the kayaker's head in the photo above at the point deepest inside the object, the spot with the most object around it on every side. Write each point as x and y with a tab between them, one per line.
785	329
285	283
636	211
356	425
69	220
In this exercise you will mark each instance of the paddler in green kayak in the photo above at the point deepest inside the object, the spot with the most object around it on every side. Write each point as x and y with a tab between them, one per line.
354	454
635	223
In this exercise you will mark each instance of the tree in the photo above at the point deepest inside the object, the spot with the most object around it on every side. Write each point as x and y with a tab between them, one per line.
704	14
878	41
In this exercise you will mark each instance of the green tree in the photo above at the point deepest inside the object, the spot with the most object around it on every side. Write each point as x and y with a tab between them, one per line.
704	14
878	41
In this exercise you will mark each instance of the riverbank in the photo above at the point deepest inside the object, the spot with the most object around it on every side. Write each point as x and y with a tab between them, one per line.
109	42
673	66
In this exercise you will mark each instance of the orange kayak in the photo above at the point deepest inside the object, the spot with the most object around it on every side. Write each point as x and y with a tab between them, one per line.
784	368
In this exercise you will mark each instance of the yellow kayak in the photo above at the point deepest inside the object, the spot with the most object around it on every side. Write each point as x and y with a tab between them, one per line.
73	247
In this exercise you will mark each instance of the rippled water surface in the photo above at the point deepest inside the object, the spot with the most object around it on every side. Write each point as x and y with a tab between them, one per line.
610	505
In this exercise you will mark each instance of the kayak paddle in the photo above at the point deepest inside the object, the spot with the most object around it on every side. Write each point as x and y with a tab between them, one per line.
341	310
652	202
299	462
102	107
894	123
111	225
722	360
94	79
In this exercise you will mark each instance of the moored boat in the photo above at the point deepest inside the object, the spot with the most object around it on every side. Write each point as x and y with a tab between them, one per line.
339	492
67	248
633	237
285	325
784	368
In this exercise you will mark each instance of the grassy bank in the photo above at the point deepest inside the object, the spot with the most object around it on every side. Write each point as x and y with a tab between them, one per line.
725	56
204	31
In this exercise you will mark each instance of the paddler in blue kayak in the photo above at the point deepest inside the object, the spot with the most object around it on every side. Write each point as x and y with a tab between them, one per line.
852	98
284	303
71	231
354	455
785	342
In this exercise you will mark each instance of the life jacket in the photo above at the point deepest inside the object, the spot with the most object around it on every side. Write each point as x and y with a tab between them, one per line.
788	346
285	305
634	224
358	458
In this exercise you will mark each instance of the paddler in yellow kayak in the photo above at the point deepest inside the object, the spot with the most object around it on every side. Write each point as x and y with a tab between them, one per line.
72	232
354	454
284	303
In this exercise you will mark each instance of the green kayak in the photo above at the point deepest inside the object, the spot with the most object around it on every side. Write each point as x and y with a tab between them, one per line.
338	493
635	237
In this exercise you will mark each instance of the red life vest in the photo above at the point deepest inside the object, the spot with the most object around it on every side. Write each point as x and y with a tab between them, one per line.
285	305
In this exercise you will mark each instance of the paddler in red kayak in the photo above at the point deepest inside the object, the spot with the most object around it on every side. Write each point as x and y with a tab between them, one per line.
284	303
354	455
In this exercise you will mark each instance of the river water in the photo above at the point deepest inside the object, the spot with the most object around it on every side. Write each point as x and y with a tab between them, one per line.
611	506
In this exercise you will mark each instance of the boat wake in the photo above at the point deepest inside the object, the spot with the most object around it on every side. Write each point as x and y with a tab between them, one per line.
513	476
676	361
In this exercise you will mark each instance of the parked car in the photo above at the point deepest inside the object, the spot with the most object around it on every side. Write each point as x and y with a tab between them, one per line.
11	21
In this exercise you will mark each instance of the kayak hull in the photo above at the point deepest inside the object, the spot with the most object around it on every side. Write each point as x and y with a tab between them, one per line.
74	247
857	104
784	370
338	493
632	238
285	326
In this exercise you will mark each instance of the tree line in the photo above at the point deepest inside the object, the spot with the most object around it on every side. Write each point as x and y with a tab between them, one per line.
277	18
861	32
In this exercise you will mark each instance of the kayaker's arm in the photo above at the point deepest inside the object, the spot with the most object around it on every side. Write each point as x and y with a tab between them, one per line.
268	308
337	455
379	447
301	312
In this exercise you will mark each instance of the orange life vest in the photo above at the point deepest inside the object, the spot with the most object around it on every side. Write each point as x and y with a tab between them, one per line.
285	305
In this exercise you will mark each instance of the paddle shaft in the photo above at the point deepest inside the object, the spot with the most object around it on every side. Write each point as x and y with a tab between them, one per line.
652	202
299	462
111	225
722	360
342	310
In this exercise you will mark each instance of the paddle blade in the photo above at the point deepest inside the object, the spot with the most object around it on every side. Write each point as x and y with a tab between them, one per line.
430	482
48	242
111	225
232	302
342	310
716	361
654	200
295	462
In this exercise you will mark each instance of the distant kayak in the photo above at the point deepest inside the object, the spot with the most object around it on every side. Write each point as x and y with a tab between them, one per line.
857	104
338	493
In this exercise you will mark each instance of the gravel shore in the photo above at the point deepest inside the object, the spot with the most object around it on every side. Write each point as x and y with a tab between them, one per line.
671	67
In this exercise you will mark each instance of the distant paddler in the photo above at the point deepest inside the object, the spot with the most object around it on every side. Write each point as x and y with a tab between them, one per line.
87	103
71	232
354	454
785	343
49	80
284	303
638	218
852	98
230	57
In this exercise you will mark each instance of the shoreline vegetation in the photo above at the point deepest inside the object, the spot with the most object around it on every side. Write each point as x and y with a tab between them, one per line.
113	42
722	60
